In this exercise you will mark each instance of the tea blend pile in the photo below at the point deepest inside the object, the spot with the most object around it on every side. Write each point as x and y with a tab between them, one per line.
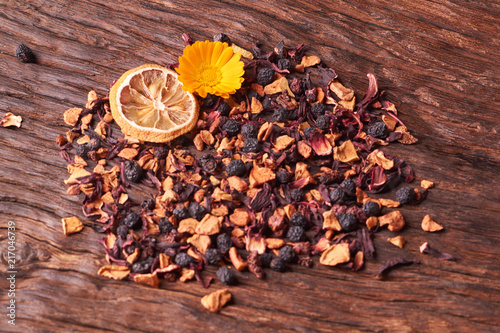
281	171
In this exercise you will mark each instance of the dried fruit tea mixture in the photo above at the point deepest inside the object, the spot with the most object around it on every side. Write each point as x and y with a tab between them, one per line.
274	172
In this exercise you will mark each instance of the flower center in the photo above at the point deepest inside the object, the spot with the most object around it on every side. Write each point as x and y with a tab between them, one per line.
208	75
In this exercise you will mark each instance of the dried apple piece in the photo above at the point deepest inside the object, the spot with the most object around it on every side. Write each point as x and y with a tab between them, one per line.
114	272
428	224
335	254
71	225
215	301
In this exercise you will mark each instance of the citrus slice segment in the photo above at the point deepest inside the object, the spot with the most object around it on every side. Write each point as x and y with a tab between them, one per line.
148	103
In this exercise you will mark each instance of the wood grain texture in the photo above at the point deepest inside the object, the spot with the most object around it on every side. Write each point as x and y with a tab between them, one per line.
438	62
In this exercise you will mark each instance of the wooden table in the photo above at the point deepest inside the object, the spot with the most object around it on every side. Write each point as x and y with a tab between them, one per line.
439	63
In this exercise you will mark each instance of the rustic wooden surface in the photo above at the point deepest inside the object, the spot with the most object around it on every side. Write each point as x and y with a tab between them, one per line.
438	62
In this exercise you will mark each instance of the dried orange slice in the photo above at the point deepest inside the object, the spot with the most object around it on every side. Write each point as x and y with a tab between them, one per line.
148	103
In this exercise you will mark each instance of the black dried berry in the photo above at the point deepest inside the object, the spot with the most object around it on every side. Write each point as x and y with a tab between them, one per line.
296	195
347	222
129	249
122	231
224	243
265	259
82	150
318	109
378	130
209	101
133	171
178	188
322	122
283	176
183	259
249	130
267	103
197	211
212	256
308	131
278	265
298	220
251	145
165	225
405	195
287	254
24	54
226	275
221	37
349	186
265	76
236	168
94	144
132	221
293	114
161	152
142	267
148	204
231	127
337	195
371	208
253	94
224	109
284	64
180	212
295	234
208	163
280	115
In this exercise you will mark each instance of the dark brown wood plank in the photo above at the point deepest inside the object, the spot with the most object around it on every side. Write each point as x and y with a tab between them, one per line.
437	61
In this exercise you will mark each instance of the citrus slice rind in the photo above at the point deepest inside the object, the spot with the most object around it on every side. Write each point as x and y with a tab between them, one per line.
149	104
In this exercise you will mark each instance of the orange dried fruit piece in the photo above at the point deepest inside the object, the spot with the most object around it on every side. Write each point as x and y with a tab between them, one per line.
216	300
71	225
149	104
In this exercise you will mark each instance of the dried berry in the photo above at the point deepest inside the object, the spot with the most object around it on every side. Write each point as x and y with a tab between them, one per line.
207	163
165	225
226	275
284	64
224	243
293	114
287	254
183	259
122	231
283	176
236	168
378	130
133	171
224	109
93	144
231	127
267	103
251	145
308	131
253	94
148	204
298	220
278	265
297	195
82	150
248	130
295	234
405	195
265	76
180	212
322	122
371	208
265	259
349	187
318	109
129	249
24	54
132	221
337	195
209	101
197	211
347	222
142	267
280	115
212	256
221	37
178	188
